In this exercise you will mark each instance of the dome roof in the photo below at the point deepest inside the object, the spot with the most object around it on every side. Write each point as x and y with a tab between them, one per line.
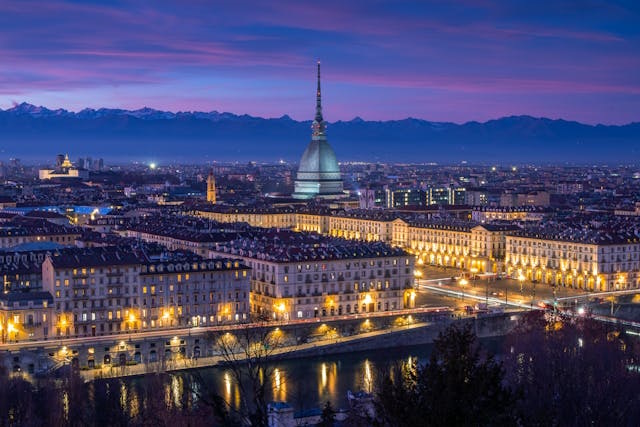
319	157
318	172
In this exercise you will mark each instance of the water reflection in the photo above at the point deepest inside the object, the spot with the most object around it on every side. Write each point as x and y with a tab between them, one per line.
227	386
280	385
304	383
367	377
123	396
328	377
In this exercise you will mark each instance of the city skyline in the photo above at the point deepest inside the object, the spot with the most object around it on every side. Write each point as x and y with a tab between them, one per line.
458	62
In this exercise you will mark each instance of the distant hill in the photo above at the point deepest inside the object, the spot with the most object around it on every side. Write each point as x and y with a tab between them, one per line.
36	132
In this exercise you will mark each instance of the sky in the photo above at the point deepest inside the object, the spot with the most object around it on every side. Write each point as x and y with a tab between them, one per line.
442	61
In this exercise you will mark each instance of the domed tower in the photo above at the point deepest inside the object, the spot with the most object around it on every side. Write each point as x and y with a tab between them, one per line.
318	172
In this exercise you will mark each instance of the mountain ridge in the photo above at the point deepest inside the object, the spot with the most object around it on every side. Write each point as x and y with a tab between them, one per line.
26	129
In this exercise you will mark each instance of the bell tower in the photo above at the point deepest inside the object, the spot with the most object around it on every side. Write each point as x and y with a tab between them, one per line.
211	188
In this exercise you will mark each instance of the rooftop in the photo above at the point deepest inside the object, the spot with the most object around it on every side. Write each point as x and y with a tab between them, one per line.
288	246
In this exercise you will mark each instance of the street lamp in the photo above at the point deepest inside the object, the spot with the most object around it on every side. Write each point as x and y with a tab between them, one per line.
11	329
521	280
165	318
132	323
463	282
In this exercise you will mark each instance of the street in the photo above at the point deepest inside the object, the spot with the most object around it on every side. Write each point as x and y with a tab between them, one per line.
440	286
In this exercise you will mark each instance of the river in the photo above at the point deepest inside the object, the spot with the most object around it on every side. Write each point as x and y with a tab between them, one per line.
305	383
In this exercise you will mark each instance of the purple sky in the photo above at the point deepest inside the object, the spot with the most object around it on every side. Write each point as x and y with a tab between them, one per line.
445	61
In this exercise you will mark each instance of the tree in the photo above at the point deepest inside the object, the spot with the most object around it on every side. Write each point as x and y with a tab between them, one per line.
328	416
572	371
459	385
245	354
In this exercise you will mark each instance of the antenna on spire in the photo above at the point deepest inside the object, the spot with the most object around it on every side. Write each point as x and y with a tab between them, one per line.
318	123
318	98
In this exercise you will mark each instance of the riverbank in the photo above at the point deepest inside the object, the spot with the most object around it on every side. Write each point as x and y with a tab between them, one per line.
393	337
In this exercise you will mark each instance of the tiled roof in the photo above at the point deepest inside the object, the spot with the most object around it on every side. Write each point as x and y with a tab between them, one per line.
288	246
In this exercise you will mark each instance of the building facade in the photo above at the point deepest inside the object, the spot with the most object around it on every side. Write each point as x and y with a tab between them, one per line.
106	290
299	276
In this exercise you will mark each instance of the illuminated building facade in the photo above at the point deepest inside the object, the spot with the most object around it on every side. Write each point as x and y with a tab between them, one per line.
195	292
596	263
107	290
211	188
522	213
299	275
267	217
25	315
64	170
583	263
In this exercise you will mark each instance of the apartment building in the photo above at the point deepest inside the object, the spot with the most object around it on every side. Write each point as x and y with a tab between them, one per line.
304	275
105	290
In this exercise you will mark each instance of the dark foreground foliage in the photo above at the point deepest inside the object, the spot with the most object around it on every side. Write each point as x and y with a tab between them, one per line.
553	372
458	386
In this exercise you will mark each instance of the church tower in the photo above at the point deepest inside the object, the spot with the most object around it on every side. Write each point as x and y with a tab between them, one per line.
211	188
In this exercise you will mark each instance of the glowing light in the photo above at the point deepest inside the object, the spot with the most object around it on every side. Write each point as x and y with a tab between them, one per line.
227	383
367	299
277	378
152	165
324	375
367	376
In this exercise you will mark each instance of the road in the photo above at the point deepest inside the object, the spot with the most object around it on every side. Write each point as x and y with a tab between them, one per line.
191	363
180	332
506	291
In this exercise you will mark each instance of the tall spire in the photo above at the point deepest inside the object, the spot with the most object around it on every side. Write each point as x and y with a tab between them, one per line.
318	98
318	123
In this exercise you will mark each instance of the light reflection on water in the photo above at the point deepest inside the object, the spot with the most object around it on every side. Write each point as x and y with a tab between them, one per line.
304	383
309	383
